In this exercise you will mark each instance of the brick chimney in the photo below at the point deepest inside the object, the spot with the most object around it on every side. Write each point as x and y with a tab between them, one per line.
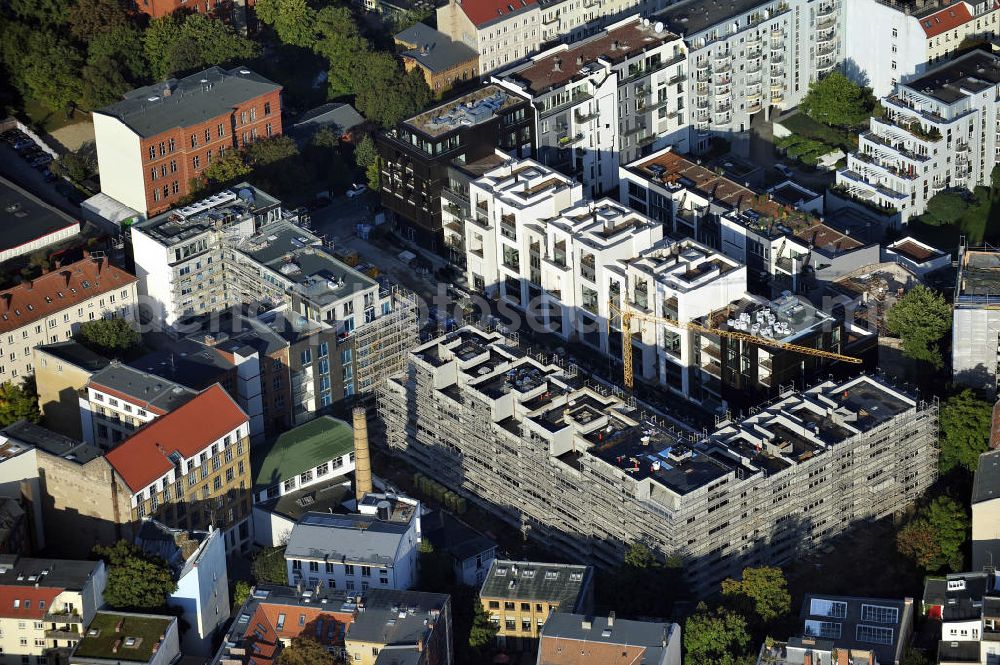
362	457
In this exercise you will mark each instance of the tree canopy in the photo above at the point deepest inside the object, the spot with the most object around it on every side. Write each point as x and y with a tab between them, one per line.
17	402
108	336
965	431
838	101
644	585
367	160
718	637
136	581
944	208
762	591
305	651
920	318
293	20
182	42
483	632
934	538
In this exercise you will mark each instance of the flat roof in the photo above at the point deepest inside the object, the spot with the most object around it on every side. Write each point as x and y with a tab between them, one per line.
915	250
474	108
328	497
150	391
971	73
46	440
71	574
986	485
435	50
559	66
74	353
693	16
782	319
154	109
979	273
216	211
397	618
555	583
27	218
619	642
302	448
352	537
120	636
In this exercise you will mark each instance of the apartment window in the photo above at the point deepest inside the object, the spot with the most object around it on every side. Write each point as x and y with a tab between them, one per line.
267	108
194	140
314	566
306	356
221	130
208	135
349	569
170	145
173	166
296	564
243	119
175	187
281	617
152	152
196	162
874	634
306	476
895	33
323	469
253	114
268	129
289	484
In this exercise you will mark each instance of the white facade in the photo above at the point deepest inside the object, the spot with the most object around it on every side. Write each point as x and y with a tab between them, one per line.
372	549
203	593
610	97
501	36
887	43
681	281
760	58
938	131
119	161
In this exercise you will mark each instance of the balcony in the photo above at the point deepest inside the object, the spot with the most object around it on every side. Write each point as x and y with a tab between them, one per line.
701	103
723	68
584	116
825	65
566	140
702	65
827	50
961	147
588	272
826	22
722	57
827	10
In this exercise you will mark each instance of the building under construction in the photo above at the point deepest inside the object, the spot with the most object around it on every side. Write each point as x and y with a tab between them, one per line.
975	348
587	472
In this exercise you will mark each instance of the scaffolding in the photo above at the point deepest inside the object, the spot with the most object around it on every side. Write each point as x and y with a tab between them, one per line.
381	345
536	455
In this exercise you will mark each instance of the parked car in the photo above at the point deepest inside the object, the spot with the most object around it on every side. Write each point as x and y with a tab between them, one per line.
12	136
24	144
783	170
356	190
49	175
42	160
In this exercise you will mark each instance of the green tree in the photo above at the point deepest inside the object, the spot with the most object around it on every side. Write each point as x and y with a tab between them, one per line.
108	336
46	68
483	631
278	167
339	41
103	83
838	101
293	20
935	536
136	581
44	12
920	318
366	158
305	651
644	584
965	431
944	209
182	42
764	590
717	637
389	94
79	164
268	567
241	593
124	46
223	172
88	18
17	402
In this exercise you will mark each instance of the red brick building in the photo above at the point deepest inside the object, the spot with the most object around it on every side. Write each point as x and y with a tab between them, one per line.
237	13
153	143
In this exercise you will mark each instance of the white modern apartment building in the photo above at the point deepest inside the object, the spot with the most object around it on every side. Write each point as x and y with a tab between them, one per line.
782	244
613	96
515	196
52	307
750	56
938	131
180	255
889	42
375	548
681	281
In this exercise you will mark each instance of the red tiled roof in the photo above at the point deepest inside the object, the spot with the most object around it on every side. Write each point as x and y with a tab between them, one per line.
29	600
58	290
321	625
482	12
142	458
946	19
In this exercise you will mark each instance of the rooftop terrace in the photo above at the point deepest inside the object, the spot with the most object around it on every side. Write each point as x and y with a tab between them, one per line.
218	211
565	64
978	274
971	73
475	108
783	319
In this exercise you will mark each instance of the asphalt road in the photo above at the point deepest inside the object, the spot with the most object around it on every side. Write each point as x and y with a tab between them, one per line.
21	173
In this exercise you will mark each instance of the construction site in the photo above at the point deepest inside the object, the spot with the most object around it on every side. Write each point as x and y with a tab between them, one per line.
587	472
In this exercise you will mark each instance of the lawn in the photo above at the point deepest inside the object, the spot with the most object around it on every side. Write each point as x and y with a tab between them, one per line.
49	121
980	223
803	126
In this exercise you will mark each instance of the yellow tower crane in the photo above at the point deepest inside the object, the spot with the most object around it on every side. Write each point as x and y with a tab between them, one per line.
627	316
